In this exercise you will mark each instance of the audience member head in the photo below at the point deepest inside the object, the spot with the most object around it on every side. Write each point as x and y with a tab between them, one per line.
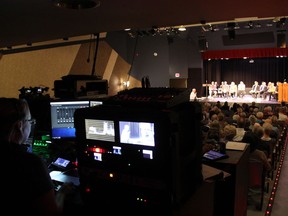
258	130
259	115
267	128
274	120
252	119
15	124
229	132
214	117
235	117
241	122
221	116
250	138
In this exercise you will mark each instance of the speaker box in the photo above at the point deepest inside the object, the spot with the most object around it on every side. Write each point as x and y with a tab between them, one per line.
281	40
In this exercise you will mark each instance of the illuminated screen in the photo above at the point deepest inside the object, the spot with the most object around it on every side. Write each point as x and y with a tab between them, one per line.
100	130
95	103
138	133
62	118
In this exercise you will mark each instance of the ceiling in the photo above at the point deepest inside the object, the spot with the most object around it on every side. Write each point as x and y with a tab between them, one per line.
31	21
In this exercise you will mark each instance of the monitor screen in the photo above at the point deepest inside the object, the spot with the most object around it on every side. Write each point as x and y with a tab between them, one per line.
137	133
102	130
62	118
95	103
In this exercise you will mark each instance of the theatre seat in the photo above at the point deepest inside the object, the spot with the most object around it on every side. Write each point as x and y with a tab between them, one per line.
256	183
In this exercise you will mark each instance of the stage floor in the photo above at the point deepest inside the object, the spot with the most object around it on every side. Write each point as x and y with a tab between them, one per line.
246	99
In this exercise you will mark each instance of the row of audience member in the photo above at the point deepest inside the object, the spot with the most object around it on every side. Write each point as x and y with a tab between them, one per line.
244	123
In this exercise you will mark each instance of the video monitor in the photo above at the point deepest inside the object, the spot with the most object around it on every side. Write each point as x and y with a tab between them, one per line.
137	133
101	130
62	118
95	103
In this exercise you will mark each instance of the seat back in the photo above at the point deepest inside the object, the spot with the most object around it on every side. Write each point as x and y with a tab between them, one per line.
256	179
256	174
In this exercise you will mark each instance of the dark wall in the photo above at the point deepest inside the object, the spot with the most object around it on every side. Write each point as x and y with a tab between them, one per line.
157	57
160	58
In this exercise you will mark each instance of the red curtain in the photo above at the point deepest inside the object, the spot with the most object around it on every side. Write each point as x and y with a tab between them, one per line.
241	53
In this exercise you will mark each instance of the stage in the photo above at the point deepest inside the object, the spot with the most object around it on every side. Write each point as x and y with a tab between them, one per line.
248	99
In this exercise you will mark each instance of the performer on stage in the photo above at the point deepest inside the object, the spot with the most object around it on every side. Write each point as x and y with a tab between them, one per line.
225	89
255	89
219	90
233	90
262	90
241	89
212	89
270	91
193	94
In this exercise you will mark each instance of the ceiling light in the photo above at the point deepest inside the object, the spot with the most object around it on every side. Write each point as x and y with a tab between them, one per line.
182	28
76	4
249	25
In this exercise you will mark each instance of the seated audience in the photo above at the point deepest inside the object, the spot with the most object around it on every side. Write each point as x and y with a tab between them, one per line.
240	129
256	154
282	114
260	116
252	120
229	132
267	142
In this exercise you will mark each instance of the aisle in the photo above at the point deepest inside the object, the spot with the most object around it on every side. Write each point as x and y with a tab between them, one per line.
276	201
280	204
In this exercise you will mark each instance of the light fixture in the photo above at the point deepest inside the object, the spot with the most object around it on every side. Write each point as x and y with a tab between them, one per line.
281	22
182	28
155	31
126	84
76	4
249	25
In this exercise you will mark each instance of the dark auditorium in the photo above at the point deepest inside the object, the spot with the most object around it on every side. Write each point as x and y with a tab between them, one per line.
144	108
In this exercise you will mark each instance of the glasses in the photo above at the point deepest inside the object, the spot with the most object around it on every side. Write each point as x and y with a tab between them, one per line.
32	121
